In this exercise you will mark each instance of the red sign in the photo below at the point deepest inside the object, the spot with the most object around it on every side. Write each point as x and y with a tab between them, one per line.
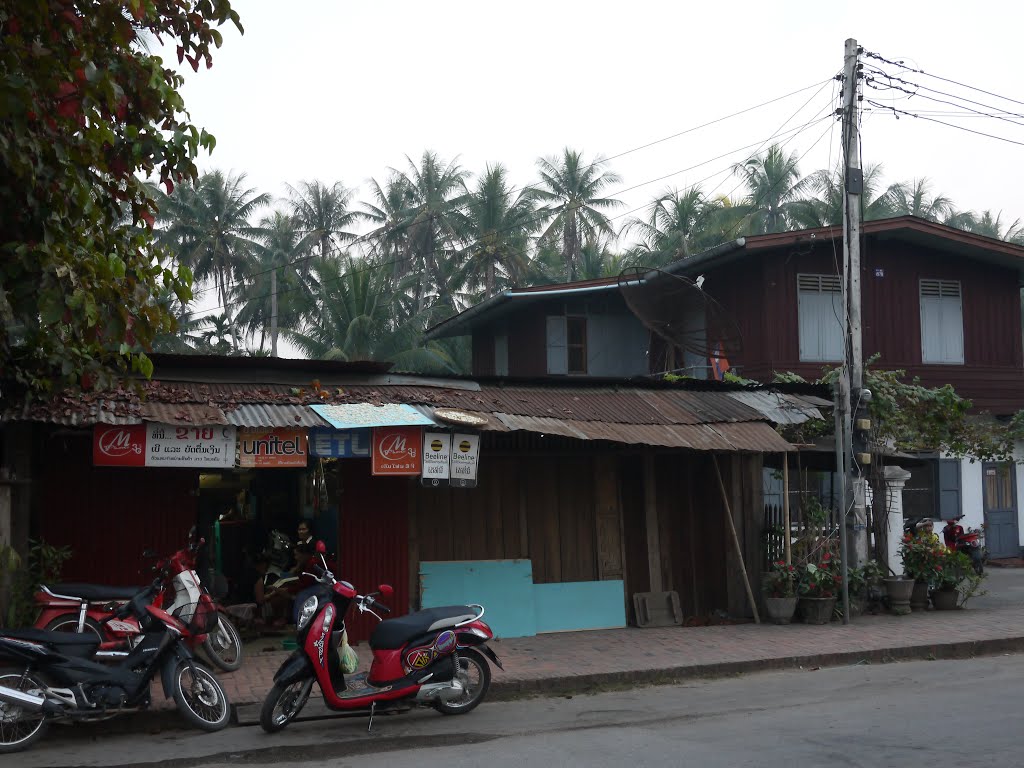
396	450
119	446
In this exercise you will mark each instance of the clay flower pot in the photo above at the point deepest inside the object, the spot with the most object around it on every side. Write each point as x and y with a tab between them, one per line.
780	609
919	596
945	599
899	590
817	610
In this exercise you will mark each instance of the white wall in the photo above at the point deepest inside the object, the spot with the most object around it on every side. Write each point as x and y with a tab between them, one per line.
973	501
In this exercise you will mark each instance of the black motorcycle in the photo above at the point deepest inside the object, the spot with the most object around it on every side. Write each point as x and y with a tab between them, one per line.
53	675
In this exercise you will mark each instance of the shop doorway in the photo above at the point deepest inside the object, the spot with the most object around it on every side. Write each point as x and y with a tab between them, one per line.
373	541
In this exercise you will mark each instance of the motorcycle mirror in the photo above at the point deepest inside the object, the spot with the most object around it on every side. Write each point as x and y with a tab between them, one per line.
321	548
386	590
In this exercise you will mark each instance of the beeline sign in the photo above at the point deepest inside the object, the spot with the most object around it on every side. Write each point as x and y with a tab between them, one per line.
396	450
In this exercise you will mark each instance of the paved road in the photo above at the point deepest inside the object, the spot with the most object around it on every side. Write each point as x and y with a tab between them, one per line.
886	715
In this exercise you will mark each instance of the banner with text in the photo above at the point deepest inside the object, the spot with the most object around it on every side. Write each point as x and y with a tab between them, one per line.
465	458
163	445
279	447
327	443
396	450
437	452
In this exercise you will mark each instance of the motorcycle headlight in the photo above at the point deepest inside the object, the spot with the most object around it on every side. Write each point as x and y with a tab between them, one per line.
307	611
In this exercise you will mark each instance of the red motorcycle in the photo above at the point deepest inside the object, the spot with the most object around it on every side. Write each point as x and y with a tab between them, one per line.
970	542
90	608
434	657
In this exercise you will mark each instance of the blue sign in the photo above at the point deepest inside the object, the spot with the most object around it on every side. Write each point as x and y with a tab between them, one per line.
327	443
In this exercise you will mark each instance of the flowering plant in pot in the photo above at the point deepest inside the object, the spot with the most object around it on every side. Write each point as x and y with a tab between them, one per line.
817	587
779	587
920	556
951	569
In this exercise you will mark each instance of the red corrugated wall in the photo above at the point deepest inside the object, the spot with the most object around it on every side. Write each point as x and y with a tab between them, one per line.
108	515
374	545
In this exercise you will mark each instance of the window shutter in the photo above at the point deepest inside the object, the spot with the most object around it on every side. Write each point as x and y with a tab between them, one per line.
819	304
950	504
501	355
942	324
557	360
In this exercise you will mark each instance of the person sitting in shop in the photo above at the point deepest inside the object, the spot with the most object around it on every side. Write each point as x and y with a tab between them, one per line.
305	533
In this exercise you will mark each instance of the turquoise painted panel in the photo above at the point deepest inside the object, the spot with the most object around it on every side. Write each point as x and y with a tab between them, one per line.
503	587
579	605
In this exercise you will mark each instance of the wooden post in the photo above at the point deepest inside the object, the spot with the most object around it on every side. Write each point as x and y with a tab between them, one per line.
735	539
786	520
651	519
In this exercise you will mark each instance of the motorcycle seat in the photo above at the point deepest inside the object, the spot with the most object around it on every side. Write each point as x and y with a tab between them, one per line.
53	638
94	592
393	633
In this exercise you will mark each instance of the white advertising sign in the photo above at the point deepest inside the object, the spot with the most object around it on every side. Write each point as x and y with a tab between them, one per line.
169	445
465	457
437	451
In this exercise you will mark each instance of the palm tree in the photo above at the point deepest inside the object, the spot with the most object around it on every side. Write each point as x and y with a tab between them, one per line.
597	259
677	224
498	226
322	214
988	224
389	240
826	210
916	199
575	210
434	219
279	277
363	316
208	230
775	192
218	335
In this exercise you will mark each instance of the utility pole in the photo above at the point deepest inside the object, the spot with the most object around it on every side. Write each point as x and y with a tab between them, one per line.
273	313
851	381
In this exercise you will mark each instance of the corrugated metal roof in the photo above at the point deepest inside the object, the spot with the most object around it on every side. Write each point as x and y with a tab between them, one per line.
757	437
183	413
263	416
778	407
77	413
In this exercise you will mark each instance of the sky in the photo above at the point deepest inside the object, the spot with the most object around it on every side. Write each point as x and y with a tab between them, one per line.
341	91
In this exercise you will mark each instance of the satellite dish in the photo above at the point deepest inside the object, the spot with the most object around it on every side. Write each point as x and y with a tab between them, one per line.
683	316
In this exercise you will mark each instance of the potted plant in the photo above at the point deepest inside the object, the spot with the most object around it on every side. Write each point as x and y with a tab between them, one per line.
951	568
779	587
817	589
920	555
862	581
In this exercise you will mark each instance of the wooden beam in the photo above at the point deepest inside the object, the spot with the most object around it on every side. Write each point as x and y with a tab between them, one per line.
651	523
735	539
786	519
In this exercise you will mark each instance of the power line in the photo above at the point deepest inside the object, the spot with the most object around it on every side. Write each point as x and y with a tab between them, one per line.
898	112
901	64
598	161
1001	114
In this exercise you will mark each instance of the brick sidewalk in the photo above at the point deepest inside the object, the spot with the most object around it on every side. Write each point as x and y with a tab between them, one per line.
578	661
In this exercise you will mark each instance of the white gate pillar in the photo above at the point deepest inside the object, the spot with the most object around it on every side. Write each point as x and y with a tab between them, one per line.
895	479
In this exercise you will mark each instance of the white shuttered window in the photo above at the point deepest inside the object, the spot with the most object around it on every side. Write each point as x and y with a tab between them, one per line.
942	322
558	361
820	305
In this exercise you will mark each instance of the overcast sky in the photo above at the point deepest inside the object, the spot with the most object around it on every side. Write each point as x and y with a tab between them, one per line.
340	91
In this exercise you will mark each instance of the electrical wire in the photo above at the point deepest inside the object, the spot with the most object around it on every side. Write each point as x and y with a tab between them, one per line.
901	64
872	83
898	112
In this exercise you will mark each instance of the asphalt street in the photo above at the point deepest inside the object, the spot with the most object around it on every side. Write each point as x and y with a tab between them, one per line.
935	714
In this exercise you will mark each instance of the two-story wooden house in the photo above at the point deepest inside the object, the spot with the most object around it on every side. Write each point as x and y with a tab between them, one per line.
938	302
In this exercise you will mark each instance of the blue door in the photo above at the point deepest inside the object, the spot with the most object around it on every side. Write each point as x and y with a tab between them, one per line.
1000	500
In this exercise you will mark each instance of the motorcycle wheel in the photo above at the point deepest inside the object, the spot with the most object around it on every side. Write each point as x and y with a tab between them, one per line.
283	704
223	645
199	696
69	623
20	729
979	566
475	675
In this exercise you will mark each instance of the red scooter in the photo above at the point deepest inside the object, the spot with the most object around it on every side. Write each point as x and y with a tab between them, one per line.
971	542
90	608
434	657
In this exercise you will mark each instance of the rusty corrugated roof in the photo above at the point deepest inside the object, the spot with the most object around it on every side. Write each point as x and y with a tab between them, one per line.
182	413
758	437
264	416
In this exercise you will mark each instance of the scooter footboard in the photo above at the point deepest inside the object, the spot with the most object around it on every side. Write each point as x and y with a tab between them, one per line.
296	667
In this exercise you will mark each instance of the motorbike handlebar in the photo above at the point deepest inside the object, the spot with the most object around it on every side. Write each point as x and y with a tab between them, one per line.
378	606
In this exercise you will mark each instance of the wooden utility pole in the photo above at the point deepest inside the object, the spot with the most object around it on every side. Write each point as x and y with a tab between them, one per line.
273	313
852	379
787	519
